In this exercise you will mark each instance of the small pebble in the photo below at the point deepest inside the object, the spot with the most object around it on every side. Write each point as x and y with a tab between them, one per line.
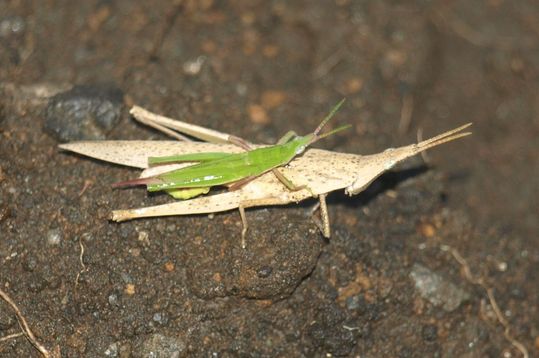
436	289
54	236
169	266
264	272
258	114
126	278
272	99
193	67
11	26
353	85
429	333
427	230
143	237
7	319
130	289
30	264
161	318
112	350
113	300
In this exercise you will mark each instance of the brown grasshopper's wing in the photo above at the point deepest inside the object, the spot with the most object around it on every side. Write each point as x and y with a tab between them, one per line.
135	153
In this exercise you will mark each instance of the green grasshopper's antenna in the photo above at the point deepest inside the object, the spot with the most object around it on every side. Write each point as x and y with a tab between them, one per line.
338	129
317	136
328	117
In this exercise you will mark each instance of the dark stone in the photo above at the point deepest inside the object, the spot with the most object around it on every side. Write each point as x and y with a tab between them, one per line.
36	283
83	113
7	318
30	264
429	333
405	352
264	271
161	318
328	334
356	303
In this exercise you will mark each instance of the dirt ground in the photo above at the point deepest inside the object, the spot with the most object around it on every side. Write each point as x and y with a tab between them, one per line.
391	282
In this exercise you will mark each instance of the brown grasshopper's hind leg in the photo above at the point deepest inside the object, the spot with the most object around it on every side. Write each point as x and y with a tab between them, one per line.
250	203
323	225
245	226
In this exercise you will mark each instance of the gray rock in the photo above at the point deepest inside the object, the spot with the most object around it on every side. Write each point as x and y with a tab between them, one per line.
436	289
83	113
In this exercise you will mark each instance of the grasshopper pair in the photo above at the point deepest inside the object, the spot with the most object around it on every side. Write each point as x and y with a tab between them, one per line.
293	173
233	170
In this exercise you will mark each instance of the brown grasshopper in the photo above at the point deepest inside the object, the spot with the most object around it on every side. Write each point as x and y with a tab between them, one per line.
318	172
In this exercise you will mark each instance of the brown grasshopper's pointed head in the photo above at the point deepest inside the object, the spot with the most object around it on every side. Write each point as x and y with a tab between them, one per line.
372	166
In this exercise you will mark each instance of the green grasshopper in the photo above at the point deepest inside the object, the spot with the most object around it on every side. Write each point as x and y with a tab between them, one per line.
231	169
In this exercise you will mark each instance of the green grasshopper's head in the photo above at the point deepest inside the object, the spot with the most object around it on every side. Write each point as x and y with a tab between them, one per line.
305	141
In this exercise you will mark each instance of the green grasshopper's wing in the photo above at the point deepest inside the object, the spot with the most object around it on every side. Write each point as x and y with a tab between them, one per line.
191	157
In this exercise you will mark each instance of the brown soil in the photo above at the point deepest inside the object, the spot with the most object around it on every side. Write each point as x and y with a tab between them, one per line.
257	69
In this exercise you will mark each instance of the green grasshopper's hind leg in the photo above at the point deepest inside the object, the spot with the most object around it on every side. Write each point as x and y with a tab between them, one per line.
240	142
324	225
241	183
288	183
287	137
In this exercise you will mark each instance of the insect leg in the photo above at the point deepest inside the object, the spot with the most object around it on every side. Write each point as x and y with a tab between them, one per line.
288	183
254	202
169	126
242	182
323	225
287	137
244	224
240	142
326	230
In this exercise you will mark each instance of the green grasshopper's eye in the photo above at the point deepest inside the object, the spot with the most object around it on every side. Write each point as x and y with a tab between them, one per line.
300	150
